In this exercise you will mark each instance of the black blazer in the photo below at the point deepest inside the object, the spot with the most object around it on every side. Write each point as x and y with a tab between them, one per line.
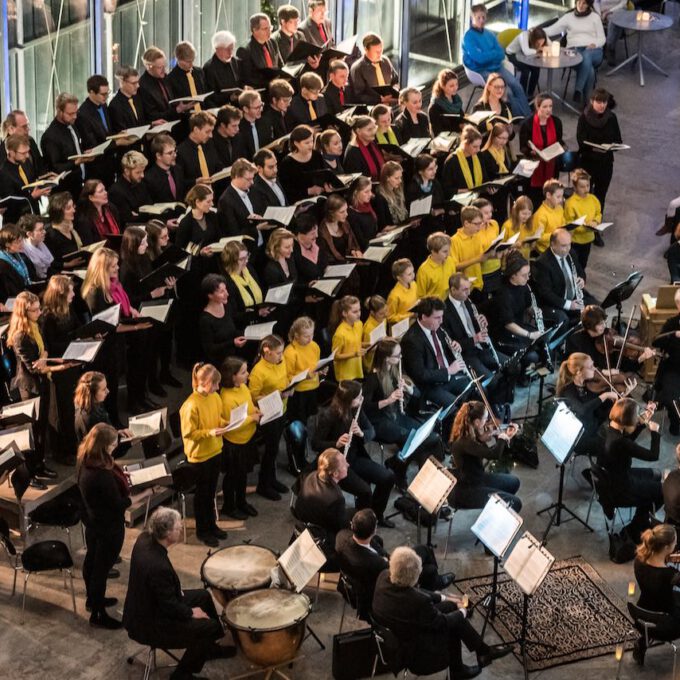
104	502
154	599
262	195
233	215
312	34
245	136
298	111
179	83
11	283
189	231
227	149
57	145
251	56
11	184
332	96
322	503
35	159
363	78
549	284
128	198
122	115
26	352
283	42
187	161
454	326
156	94
406	129
420	361
220	75
354	160
272	125
92	132
157	185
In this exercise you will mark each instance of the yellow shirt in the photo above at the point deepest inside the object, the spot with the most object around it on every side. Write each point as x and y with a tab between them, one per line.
400	300
465	247
369	326
199	414
266	378
550	219
432	279
487	234
232	397
575	207
347	339
300	358
524	232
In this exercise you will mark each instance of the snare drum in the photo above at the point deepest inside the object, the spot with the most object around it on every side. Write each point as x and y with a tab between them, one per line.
269	625
237	569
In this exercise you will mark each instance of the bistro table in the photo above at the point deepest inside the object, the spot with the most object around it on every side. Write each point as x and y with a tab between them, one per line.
566	59
632	20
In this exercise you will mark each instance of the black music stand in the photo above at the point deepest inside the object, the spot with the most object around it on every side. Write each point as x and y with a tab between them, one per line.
620	293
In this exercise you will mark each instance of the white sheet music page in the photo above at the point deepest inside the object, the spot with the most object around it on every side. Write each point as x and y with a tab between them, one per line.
528	564
28	408
237	416
271	407
22	436
497	526
398	329
147	474
259	330
562	433
111	315
338	271
378	333
301	560
279	295
430	486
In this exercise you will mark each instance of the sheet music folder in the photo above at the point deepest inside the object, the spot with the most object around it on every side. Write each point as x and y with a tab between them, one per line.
497	526
149	473
562	434
528	564
301	560
432	485
417	436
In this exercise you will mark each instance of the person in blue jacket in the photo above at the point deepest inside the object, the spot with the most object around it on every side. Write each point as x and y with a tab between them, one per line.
483	54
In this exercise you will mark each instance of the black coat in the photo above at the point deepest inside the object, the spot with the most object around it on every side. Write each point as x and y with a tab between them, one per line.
364	226
354	160
103	499
420	360
179	83
406	129
332	96
26	352
262	196
122	115
11	283
233	215
298	112
227	149
11	184
322	503
272	125
189	231
92	132
158	187
363	78
187	161
57	145
253	63
220	75
128	199
452	178
312	34
156	94
246	139
550	286
454	326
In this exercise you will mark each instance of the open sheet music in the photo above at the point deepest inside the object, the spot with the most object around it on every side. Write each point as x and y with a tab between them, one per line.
301	560
432	485
550	152
158	311
421	206
82	351
278	295
325	361
259	330
497	526
147	424
334	271
110	315
398	329
149	475
377	334
20	413
418	435
10	458
528	564
563	432
237	416
22	436
271	407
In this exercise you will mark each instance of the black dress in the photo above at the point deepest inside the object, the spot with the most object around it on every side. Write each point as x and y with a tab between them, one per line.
657	589
296	178
406	129
217	337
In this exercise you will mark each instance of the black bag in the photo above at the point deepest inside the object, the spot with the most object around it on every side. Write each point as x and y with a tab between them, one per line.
353	655
410	508
621	547
524	450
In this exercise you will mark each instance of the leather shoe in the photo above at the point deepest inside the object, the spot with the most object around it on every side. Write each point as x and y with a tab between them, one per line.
113	573
269	494
445	512
386	523
35	483
278	486
218	533
103	620
234	513
170	380
209	539
157	389
46	473
248	509
108	602
465	672
445	580
493	653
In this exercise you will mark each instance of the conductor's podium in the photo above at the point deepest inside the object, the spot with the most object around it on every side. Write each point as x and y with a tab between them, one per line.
654	312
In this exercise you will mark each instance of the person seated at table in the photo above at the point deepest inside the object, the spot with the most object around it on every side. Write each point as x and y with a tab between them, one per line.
529	43
445	101
411	122
585	35
614	33
483	54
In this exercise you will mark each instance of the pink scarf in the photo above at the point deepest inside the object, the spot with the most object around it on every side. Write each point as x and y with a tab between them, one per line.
120	297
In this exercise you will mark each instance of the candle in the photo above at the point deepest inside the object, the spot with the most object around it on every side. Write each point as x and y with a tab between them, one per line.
466	601
555	49
631	588
619	652
638	17
646	16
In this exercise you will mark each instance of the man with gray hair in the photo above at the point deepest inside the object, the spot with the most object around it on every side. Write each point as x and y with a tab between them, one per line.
429	626
223	70
158	612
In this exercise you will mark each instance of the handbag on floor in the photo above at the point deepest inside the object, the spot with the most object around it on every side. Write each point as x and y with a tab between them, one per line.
354	653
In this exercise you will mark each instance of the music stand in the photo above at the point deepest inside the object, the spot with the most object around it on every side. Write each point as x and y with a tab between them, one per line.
560	438
620	293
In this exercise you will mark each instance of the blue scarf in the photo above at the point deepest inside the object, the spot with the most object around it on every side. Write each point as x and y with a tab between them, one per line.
18	264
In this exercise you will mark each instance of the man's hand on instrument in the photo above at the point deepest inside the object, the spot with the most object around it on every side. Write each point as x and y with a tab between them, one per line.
456	367
647	353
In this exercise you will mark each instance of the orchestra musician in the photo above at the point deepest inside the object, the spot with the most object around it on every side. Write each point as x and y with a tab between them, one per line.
671	492
667	380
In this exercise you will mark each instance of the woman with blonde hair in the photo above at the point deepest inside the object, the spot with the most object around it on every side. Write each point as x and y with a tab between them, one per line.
280	269
302	354
243	284
493	99
390	203
495	154
521	220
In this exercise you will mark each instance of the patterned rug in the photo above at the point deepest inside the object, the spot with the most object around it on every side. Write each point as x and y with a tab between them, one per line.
574	610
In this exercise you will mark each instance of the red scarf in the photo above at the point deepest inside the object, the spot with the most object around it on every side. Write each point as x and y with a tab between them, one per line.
106	223
544	171
373	157
121	481
366	208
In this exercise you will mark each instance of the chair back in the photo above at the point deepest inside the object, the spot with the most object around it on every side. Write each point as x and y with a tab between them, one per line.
474	77
46	555
603	489
388	648
653	625
58	512
184	477
507	36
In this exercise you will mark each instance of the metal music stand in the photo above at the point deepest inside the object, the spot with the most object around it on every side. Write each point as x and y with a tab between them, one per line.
620	293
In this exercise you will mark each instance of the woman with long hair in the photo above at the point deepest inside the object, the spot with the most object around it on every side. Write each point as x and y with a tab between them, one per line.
32	228
469	440
329	145
339	428
521	220
463	169
530	43
390	202
445	102
106	495
96	219
346	328
493	99
158	235
61	237
337	238
361	214
495	154
203	426
363	153
16	270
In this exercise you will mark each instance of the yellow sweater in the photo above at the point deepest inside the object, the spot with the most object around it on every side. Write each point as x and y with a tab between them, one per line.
299	358
550	219
400	300
524	232
199	414
369	326
347	339
266	378
575	207
465	247
487	235
233	397
432	280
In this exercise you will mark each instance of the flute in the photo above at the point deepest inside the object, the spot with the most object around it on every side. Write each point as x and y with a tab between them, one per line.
354	422
399	385
458	356
483	325
577	288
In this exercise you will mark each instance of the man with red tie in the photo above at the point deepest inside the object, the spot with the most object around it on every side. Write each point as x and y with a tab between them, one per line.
338	93
260	55
164	180
316	27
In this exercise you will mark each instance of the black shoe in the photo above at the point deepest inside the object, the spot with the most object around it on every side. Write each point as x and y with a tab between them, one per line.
269	494
119	559
209	540
493	653
445	580
157	389
35	483
234	513
46	473
113	573
69	461
599	242
445	512
465	672
102	620
248	509
587	474
218	533
281	488
222	652
108	602
639	650
386	523
170	380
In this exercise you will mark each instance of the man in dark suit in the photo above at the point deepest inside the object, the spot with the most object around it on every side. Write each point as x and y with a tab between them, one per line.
222	71
235	204
259	54
266	190
158	612
250	127
186	80
61	140
373	70
273	123
196	156
164	181
226	139
155	90
429	626
127	108
308	106
338	93
317	28
288	36
129	193
17	123
558	282
428	359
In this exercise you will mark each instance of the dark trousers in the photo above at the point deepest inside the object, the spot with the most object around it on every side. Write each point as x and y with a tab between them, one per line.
302	405
361	474
204	499
271	434
396	431
600	172
235	467
471	497
460	630
429	576
644	493
528	75
581	251
103	547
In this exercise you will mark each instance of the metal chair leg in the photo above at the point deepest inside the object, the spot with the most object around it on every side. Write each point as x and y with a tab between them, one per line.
590	505
23	599
675	657
63	573
318	588
68	535
448	534
16	571
146	512
183	501
342	616
73	592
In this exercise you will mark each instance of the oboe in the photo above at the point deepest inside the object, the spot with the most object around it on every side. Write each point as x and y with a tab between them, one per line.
538	314
457	355
354	422
578	291
483	325
399	386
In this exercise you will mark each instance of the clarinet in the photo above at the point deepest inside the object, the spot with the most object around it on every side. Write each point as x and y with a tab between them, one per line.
458	356
484	326
401	401
355	420
538	314
577	288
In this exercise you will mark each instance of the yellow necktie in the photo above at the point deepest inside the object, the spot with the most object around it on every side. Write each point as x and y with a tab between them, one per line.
312	112
202	163
22	174
379	74
134	108
193	91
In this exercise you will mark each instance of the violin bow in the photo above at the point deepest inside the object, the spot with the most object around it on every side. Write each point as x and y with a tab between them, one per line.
625	337
477	379
604	377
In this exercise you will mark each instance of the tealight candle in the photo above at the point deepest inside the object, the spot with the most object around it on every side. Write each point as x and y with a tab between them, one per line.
646	16
631	588
555	49
466	601
619	652
638	16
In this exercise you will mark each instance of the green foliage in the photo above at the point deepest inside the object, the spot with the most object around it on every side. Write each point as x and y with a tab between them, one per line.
267	7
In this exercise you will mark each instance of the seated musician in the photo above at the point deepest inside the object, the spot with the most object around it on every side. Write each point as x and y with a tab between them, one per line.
668	374
630	486
470	437
158	612
658	580
560	282
671	492
429	626
362	557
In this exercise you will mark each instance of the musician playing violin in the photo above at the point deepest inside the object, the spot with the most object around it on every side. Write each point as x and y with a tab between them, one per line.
471	435
668	374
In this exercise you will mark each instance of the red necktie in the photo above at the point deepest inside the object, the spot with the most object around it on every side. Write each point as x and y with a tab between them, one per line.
173	185
438	350
164	92
267	57
342	96
322	33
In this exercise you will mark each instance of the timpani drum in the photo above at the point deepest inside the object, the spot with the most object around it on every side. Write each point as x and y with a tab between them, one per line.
269	625
237	569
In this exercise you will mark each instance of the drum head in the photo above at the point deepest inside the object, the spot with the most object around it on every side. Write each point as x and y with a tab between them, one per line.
265	610
239	568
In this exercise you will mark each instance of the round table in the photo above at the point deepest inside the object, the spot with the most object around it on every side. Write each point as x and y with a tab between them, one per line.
628	19
566	59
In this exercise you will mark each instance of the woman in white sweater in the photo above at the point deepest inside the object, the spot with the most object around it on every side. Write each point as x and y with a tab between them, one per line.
530	43
585	34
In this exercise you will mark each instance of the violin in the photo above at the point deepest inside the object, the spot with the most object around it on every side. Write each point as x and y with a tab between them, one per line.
630	346
623	383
